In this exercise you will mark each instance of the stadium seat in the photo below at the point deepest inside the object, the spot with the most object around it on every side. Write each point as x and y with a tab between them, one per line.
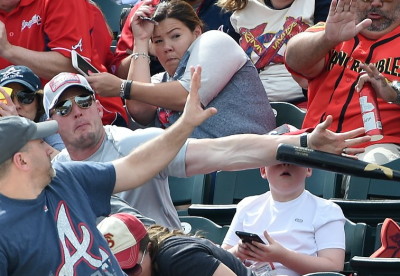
371	212
204	227
369	188
356	236
186	191
385	258
324	184
366	266
287	113
232	186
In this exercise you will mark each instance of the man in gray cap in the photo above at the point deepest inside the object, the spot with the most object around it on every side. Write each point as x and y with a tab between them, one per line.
47	213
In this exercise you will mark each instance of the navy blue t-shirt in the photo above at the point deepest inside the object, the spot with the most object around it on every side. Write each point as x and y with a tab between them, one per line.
56	234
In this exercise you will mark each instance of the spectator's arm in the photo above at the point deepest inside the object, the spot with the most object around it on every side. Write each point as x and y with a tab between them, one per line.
305	53
54	61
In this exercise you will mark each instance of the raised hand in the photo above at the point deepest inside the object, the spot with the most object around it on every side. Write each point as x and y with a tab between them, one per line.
193	113
7	107
325	140
341	24
378	83
143	29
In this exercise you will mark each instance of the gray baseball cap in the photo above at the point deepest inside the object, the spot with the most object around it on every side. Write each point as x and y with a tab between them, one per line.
16	131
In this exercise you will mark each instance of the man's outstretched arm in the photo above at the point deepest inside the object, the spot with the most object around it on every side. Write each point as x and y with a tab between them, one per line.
245	151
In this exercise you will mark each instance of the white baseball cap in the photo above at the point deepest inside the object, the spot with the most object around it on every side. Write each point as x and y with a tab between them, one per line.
57	85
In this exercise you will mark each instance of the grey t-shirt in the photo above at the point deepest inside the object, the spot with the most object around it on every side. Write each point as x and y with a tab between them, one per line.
229	82
152	199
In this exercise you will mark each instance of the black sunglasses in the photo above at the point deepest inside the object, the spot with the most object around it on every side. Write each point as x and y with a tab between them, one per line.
137	269
82	101
24	97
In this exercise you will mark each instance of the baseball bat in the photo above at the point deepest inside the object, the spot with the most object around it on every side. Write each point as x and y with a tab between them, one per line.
332	162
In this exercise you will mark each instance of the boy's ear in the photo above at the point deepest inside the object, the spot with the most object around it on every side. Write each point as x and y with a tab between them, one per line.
263	172
309	172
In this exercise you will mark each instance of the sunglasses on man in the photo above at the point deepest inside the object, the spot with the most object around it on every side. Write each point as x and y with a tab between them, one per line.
64	107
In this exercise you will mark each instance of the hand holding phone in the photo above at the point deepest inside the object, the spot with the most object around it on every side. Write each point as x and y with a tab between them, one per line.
81	65
148	19
249	237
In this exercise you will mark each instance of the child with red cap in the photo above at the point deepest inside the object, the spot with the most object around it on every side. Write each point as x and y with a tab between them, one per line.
158	251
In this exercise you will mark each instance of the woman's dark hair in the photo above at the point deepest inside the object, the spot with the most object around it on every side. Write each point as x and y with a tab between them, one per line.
179	10
40	107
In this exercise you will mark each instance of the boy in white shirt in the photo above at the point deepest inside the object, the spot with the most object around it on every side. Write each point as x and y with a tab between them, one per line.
303	233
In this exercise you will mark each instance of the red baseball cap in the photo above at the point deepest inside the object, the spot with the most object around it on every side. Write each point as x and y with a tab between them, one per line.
123	233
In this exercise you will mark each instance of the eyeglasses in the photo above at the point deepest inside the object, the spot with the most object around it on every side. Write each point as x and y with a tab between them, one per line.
137	269
82	101
24	97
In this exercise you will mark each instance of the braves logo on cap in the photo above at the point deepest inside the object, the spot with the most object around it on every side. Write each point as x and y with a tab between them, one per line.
11	73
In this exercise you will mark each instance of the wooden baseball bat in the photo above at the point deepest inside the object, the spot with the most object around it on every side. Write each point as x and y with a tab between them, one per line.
332	162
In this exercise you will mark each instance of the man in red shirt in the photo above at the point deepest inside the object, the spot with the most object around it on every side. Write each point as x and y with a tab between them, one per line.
40	34
358	36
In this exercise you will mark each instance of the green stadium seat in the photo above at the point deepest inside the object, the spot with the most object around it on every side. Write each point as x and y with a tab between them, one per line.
287	113
204	227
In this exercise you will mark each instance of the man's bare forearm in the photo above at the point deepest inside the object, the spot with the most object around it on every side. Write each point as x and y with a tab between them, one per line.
306	53
235	152
45	64
150	158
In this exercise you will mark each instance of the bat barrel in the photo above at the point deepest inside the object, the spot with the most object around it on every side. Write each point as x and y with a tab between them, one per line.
333	162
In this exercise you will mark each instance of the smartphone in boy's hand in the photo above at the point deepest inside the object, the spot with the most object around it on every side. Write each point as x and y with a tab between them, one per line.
249	237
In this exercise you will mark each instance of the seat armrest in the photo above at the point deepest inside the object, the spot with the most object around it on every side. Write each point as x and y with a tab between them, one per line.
375	266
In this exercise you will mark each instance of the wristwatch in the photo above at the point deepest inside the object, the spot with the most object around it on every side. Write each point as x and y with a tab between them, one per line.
396	86
303	140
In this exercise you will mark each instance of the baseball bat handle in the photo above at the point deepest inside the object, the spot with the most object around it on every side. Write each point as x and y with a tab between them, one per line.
332	162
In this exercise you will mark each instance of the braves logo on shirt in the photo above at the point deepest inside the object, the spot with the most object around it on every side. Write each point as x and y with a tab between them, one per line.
35	20
78	45
76	245
267	45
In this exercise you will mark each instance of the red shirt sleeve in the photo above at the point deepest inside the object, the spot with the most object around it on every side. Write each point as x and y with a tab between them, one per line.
67	26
